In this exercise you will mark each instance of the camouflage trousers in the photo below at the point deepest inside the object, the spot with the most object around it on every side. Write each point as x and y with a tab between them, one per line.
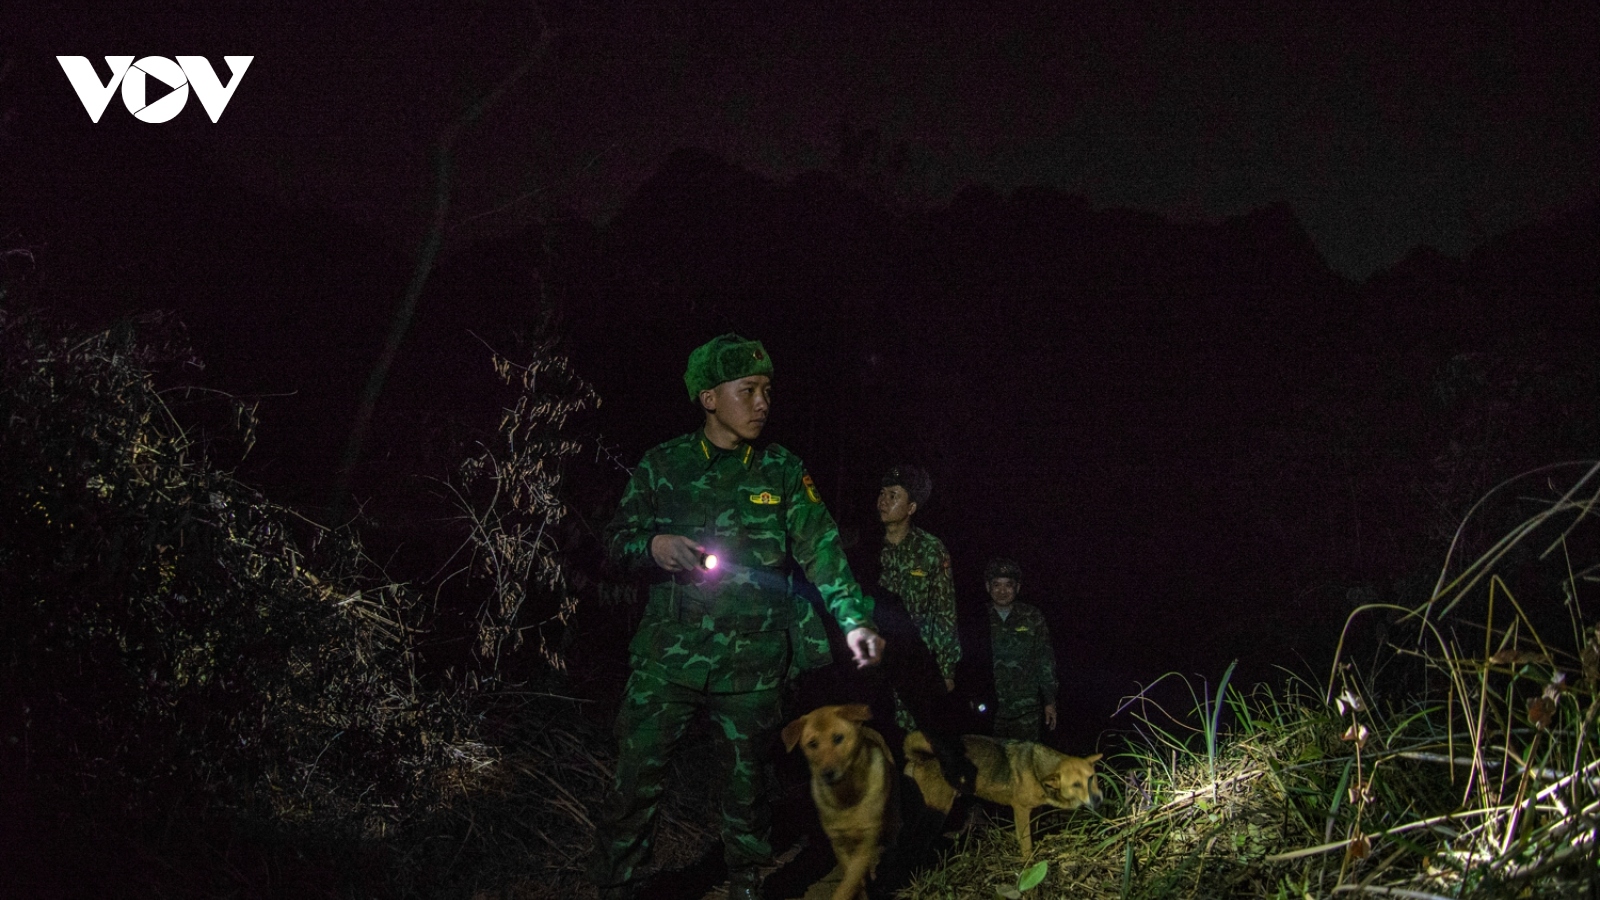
1018	722
654	716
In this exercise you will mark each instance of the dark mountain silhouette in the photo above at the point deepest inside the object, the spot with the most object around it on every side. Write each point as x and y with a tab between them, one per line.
1537	276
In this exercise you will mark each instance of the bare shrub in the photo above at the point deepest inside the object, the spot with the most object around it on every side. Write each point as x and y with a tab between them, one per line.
167	632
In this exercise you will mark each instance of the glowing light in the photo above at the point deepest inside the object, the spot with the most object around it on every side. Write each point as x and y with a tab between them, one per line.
708	560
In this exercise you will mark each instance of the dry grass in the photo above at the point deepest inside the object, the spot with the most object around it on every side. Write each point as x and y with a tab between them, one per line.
525	831
1481	778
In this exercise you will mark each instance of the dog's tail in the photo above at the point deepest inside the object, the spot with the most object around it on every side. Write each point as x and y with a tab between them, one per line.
917	748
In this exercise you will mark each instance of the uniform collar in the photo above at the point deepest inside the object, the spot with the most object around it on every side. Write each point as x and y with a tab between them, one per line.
745	453
909	541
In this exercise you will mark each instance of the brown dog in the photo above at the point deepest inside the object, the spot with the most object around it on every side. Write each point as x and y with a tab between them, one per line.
853	784
1020	774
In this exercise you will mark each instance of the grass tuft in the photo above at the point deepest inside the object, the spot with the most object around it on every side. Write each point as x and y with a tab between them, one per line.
1467	766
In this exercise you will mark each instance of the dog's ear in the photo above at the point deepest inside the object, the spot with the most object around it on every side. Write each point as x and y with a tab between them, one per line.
1091	760
855	712
792	732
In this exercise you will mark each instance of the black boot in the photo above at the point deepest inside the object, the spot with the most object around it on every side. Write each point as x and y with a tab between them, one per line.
744	884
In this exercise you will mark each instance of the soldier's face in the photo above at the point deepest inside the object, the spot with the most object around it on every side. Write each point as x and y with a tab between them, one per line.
894	505
739	407
1003	591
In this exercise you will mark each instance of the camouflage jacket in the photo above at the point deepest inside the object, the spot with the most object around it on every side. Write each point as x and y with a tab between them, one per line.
740	627
1024	660
918	569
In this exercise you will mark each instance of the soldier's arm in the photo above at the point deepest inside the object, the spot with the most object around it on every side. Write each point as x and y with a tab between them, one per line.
1047	664
814	540
627	537
944	638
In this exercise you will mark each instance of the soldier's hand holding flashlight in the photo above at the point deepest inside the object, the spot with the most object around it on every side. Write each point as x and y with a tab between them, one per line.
676	553
866	646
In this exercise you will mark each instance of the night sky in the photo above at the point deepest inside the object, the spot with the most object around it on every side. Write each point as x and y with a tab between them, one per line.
1086	455
1381	132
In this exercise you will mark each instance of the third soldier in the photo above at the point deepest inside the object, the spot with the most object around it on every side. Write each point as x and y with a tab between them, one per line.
1024	660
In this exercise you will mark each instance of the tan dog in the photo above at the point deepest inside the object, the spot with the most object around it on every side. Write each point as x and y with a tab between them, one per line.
853	784
1020	774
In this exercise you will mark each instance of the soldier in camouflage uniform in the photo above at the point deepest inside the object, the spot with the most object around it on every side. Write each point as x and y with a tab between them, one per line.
915	565
721	636
1024	660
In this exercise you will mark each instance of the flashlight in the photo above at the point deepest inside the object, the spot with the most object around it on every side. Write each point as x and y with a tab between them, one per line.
708	561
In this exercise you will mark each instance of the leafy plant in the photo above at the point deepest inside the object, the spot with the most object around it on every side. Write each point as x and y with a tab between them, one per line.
1029	879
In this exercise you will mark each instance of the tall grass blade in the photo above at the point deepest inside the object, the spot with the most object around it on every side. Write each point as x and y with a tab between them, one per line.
1215	718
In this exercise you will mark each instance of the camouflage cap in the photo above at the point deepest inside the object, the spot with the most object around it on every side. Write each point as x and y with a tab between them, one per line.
916	482
724	358
1000	567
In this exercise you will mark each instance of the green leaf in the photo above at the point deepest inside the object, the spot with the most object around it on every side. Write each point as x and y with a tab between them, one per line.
1032	875
1344	783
